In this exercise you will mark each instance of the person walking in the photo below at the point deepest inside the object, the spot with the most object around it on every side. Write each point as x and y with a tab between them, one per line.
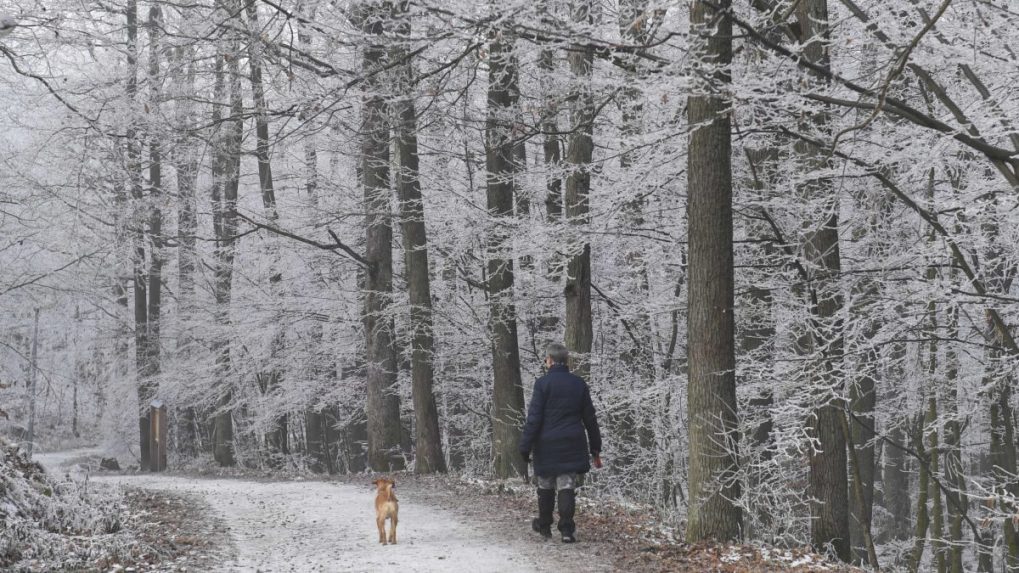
562	434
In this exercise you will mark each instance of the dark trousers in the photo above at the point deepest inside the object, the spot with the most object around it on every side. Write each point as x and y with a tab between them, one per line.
567	501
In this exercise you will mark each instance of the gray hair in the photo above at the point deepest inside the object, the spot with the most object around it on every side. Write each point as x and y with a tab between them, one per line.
557	352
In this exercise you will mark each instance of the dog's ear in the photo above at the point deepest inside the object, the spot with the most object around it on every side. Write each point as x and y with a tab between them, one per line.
376	482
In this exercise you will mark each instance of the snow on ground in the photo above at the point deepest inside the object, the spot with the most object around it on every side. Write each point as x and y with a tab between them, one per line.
58	463
327	526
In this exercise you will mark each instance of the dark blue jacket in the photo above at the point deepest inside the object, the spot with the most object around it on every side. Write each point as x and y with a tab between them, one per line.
560	412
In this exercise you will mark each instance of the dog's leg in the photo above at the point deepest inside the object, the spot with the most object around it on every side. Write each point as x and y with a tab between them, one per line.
381	522
392	529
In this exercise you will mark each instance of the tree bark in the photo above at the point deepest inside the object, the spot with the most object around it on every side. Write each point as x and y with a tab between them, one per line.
134	174
858	494
829	508
956	498
553	162
33	372
507	389
866	293
922	517
1002	454
895	481
314	432
185	159
1000	381
634	426
711	391
580	146
225	183
932	422
383	403
276	439
318	434
521	197
756	342
155	279
936	511
428	441
862	401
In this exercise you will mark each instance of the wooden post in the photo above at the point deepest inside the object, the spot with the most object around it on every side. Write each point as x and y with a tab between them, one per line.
157	436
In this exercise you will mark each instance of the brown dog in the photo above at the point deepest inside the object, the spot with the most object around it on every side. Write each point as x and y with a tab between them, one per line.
386	506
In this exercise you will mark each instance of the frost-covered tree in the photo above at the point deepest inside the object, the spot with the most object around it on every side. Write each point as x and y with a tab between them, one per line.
314	230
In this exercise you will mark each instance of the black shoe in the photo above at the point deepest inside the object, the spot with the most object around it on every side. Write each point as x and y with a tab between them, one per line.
545	531
569	538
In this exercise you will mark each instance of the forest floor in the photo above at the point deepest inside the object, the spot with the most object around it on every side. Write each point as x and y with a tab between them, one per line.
252	522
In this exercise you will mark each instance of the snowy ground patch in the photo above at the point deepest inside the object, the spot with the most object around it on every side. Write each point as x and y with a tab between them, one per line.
328	526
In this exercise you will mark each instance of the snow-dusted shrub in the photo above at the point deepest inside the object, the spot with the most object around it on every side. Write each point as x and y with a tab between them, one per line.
46	518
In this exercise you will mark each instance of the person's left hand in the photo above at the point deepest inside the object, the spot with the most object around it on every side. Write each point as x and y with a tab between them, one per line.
597	462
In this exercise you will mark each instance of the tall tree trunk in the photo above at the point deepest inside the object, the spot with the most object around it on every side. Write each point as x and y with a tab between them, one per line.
507	389
862	400
923	491
551	147
553	159
1008	472
225	183
866	293
316	428
428	441
987	543
936	511
580	146
828	477
77	372
122	344
521	197
134	169
956	499
276	439
895	481
155	281
998	382
33	372
932	421
756	341
383	403
186	164
314	431
634	428
1003	454
711	391
829	508
75	380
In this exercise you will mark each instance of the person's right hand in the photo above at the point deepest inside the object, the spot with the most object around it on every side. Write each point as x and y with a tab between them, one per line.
597	462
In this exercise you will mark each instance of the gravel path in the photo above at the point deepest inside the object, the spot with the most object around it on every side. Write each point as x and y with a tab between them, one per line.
328	526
